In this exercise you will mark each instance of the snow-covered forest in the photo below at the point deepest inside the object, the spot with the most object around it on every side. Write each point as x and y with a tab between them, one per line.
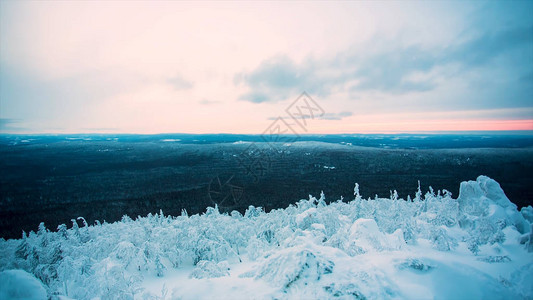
431	245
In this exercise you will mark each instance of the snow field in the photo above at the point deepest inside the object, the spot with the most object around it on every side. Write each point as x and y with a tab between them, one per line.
478	246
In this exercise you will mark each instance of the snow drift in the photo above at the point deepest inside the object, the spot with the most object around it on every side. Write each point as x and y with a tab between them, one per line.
429	246
19	284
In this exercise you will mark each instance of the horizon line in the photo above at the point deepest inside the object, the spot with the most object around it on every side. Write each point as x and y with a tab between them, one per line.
466	132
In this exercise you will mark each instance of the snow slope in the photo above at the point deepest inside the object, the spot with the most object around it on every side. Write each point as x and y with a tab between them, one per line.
478	246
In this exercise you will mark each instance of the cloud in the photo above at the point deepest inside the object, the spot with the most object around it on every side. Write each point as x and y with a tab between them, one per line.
274	80
10	125
208	102
60	69
259	97
277	79
4	122
488	46
27	96
389	71
336	116
392	69
179	83
327	116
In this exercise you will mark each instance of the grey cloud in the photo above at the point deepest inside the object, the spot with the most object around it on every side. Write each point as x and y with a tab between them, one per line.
326	116
387	71
10	125
258	97
482	49
337	116
278	78
179	83
7	122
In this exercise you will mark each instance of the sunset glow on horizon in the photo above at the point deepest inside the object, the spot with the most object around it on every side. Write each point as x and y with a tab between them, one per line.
233	67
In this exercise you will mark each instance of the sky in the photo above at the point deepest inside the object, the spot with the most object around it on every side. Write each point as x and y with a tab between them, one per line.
240	67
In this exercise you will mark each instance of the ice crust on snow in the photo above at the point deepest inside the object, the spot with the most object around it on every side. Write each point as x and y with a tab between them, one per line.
478	246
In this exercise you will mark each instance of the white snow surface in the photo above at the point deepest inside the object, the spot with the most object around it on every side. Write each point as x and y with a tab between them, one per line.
478	246
19	284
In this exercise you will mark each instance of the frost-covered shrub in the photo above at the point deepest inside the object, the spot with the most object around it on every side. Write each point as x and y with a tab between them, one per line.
209	269
415	264
125	252
495	259
441	240
527	213
256	248
293	266
364	236
527	240
306	218
253	212
473	244
344	291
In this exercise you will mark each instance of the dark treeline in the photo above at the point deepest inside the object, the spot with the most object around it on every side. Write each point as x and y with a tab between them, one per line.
103	180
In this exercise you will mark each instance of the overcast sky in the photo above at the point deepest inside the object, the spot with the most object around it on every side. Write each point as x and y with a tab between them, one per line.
152	67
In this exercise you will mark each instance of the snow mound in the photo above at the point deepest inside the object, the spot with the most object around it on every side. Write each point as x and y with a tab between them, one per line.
19	284
365	236
485	198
